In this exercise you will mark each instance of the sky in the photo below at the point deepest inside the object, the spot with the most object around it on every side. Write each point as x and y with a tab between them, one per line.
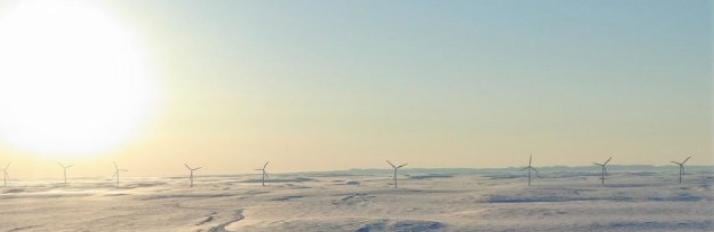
327	85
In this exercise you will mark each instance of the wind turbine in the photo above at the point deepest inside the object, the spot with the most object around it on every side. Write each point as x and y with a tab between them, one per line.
116	172
681	167
190	177
530	169
65	170
4	174
604	169
395	167
263	172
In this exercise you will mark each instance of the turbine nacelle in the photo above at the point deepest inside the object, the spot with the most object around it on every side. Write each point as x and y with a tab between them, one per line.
681	167
530	168
190	176
604	169
396	166
191	169
264	172
683	162
117	170
65	166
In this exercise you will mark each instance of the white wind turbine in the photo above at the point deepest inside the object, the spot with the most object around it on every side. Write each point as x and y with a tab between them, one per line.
604	169
64	168
117	171
530	169
190	176
264	172
681	167
4	174
395	167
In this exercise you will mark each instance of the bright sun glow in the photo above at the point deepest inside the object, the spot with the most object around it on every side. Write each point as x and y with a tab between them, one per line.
73	82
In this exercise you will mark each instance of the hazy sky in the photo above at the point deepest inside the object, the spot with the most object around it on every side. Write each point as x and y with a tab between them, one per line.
320	85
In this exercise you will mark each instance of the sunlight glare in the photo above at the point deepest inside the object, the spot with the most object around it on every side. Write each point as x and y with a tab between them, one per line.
73	82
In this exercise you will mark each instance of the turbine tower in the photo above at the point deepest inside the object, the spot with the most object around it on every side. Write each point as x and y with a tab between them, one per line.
65	167
530	169
395	167
264	172
116	172
190	176
604	169
4	174
681	167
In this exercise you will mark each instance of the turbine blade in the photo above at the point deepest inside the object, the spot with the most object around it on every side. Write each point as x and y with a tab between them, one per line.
188	167
685	160
598	164
402	165
607	161
391	164
69	166
115	165
197	168
675	162
530	160
536	171
8	165
266	164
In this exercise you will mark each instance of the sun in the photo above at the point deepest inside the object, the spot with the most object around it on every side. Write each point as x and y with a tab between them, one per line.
73	81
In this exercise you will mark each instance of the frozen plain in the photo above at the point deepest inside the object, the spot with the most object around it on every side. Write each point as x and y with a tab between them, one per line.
635	198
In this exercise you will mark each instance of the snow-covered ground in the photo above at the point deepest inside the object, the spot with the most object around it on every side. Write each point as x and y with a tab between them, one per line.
563	199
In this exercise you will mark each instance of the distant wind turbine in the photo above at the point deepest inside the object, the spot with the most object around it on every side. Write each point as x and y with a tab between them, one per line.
190	176
4	174
604	169
116	172
681	167
264	172
65	170
395	167
530	169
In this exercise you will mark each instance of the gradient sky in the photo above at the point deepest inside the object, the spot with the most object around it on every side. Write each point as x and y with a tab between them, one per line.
323	85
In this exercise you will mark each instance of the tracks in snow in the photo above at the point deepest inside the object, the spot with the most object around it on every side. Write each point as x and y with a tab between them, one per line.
237	216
